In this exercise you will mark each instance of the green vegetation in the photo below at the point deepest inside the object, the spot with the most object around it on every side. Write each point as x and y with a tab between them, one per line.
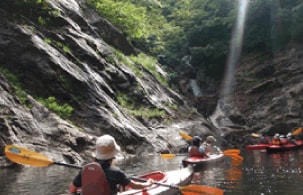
58	44
171	29
37	10
126	102
148	112
13	79
63	111
125	60
150	64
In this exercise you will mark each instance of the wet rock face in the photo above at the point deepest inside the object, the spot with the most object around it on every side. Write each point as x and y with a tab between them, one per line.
268	91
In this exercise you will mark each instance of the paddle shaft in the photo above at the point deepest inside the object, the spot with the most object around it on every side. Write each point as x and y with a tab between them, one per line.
67	165
162	184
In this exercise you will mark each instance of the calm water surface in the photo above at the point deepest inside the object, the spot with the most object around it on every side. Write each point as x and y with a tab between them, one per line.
260	173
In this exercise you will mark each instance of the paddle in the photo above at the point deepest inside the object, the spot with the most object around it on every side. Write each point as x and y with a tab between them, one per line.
185	136
255	135
23	156
234	156
297	131
233	153
27	157
190	189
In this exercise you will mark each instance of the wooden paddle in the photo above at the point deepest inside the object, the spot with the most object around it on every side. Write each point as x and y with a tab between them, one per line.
27	157
233	153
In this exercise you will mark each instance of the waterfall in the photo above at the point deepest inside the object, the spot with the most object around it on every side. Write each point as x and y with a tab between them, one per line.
195	88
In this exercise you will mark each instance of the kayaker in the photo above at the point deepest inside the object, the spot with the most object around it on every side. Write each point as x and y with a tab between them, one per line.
264	140
196	149
106	150
210	147
276	139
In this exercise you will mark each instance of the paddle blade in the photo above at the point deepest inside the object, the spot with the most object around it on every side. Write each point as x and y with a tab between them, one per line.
200	190
297	131
255	135
185	136
26	157
236	157
231	151
168	156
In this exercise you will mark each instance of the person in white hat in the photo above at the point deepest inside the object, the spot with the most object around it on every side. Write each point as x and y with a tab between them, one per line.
106	150
210	147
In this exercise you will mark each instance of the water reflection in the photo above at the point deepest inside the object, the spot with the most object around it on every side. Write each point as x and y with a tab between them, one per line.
34	180
259	174
278	173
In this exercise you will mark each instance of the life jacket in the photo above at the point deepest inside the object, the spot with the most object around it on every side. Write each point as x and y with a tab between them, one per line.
94	181
194	151
276	141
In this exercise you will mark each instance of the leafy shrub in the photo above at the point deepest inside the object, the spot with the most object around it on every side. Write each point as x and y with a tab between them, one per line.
63	111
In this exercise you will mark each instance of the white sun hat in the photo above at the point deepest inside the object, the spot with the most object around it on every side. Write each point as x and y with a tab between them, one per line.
106	148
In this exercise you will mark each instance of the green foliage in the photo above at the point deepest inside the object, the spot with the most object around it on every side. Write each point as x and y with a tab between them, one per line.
206	27
58	44
37	10
13	79
124	15
125	60
141	21
126	102
63	111
150	64
148	113
271	25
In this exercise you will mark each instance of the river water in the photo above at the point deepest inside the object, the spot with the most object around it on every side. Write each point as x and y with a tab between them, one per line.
259	174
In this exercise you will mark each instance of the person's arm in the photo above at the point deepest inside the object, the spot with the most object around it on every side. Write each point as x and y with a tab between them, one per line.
202	151
139	185
73	188
218	150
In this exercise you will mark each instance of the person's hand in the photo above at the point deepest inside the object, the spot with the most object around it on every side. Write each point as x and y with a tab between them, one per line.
149	182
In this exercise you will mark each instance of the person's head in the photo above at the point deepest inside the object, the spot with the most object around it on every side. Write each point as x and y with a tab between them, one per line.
106	148
210	139
276	136
196	141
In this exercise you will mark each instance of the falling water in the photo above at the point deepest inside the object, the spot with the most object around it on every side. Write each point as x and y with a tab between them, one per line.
218	117
235	49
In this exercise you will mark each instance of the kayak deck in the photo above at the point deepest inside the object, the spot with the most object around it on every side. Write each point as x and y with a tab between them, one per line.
174	178
285	147
201	162
257	146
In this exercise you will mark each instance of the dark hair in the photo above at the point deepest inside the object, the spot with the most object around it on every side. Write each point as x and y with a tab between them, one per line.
196	141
